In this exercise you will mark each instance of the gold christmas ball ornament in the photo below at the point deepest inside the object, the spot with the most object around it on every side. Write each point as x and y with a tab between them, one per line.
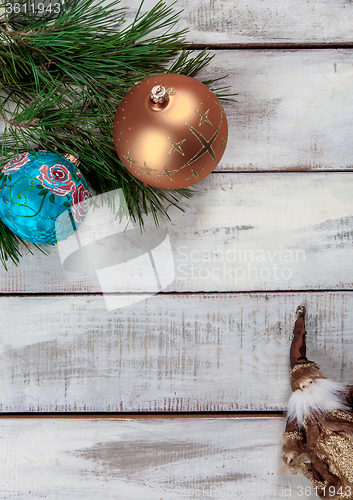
170	131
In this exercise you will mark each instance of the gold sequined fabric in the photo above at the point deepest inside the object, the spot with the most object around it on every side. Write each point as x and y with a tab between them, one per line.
298	366
308	473
342	415
336	449
346	494
293	435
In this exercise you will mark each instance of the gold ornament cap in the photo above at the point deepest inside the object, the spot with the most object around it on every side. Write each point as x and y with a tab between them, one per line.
159	94
73	158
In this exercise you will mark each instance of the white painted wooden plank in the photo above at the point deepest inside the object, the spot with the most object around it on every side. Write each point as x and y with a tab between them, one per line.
294	109
218	352
240	232
144	459
261	22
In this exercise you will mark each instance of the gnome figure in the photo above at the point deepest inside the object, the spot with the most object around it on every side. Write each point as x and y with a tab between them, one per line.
318	439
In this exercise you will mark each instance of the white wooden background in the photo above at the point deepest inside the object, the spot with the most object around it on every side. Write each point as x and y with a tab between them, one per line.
143	459
271	228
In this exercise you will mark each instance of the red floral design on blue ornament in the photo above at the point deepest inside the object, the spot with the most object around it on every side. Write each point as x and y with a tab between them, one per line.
79	203
15	164
57	179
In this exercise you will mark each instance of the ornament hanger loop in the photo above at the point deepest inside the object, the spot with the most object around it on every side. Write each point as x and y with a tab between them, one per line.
159	94
73	158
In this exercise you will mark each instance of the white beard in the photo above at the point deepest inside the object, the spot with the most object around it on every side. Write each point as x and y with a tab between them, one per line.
321	397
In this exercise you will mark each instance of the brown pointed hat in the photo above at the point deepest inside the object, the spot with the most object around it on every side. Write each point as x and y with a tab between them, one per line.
301	367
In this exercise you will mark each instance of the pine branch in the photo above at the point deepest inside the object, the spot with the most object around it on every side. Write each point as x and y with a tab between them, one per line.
62	76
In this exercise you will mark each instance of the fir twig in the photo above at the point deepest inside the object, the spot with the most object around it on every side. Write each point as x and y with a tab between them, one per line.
64	69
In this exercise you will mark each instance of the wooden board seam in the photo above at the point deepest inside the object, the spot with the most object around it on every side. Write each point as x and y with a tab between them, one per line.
144	415
269	46
178	294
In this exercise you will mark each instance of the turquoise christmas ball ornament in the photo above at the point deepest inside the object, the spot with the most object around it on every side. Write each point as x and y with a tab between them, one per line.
43	197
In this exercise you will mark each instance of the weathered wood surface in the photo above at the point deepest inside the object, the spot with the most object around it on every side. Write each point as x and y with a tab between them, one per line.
240	232
145	459
294	109
261	22
214	352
